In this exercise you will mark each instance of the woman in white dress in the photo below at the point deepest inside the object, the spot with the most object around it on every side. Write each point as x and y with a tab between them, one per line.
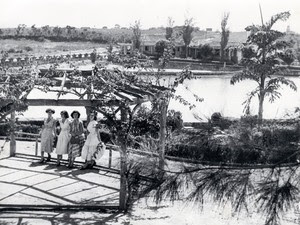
91	143
63	137
47	135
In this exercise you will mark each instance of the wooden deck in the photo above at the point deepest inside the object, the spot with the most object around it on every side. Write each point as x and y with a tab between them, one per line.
26	183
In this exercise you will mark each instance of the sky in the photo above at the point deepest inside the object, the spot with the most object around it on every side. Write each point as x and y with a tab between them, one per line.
151	13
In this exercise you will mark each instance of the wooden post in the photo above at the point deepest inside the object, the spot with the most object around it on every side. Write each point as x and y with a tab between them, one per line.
12	134
109	160
36	145
123	165
162	134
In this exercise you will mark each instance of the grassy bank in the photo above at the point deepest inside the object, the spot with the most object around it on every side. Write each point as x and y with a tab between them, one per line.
31	47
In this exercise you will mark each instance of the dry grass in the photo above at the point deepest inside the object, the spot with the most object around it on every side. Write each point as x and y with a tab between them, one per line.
45	47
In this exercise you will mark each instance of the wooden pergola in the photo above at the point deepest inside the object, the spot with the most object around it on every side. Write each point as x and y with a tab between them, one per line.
132	95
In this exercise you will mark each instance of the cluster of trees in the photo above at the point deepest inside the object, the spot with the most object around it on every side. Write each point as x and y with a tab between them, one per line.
68	33
185	33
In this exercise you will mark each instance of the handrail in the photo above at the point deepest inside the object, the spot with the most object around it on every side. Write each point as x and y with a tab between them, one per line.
29	134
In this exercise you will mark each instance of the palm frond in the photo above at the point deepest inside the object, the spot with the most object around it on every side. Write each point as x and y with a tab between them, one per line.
247	102
244	75
275	82
280	16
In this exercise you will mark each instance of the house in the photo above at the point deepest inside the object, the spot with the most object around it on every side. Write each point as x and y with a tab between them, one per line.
232	53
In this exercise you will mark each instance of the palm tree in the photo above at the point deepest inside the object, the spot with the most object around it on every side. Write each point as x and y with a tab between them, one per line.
261	58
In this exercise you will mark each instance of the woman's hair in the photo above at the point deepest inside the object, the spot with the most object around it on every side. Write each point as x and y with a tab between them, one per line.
95	115
75	111
65	113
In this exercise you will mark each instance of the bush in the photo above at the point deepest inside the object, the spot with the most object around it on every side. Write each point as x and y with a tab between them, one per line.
28	49
240	143
11	50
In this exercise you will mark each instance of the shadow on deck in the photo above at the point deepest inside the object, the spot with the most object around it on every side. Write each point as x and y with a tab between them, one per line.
26	184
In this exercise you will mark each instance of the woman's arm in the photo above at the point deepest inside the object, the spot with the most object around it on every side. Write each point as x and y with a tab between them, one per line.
54	127
98	134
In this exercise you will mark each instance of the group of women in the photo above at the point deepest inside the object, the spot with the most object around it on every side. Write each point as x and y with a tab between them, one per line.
71	139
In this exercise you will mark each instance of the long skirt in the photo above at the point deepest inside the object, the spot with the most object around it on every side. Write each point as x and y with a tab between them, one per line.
75	149
90	147
62	143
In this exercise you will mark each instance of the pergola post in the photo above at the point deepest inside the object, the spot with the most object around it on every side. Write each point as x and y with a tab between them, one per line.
123	166
12	151
162	134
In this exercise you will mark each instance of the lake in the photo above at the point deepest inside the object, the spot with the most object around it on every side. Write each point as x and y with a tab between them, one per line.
218	95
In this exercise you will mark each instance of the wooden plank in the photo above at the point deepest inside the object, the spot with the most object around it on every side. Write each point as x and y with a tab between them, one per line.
79	102
81	207
162	134
12	151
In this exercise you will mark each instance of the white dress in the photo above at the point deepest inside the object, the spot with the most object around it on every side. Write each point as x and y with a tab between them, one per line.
63	138
91	143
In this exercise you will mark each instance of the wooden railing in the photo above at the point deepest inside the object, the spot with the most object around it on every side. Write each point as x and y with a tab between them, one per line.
36	138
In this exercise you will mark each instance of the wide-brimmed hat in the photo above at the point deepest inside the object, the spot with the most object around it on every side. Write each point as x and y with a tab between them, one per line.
75	111
50	110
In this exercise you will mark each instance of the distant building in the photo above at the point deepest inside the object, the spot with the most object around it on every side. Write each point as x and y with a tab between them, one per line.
232	53
209	29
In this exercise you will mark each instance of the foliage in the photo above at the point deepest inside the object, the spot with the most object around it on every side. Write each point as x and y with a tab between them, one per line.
224	35
136	32
160	47
246	189
205	52
263	61
187	31
146	122
288	56
16	84
243	142
68	33
169	28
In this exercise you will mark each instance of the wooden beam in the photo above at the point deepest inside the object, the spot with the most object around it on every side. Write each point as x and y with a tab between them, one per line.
12	151
123	166
162	134
80	102
60	102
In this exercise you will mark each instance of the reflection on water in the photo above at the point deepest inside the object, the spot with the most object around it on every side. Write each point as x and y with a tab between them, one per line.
218	94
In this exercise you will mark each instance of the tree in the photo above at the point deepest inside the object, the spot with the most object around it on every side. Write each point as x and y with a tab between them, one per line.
169	28
20	29
35	31
57	31
205	52
136	38
160	47
186	32
224	35
263	61
46	30
70	31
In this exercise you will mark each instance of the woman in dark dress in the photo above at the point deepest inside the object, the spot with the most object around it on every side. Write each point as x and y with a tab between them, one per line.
77	138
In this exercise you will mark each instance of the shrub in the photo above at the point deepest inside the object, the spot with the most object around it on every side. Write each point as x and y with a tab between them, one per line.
28	49
240	143
11	50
